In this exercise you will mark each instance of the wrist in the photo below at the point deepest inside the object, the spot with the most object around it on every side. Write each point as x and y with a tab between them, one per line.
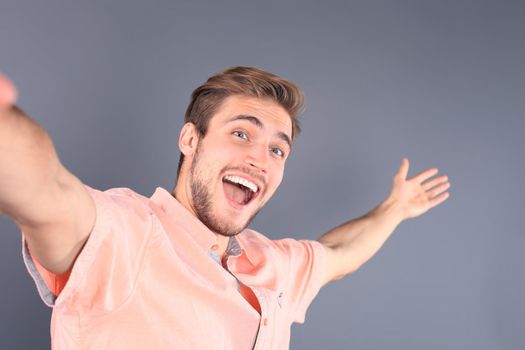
391	210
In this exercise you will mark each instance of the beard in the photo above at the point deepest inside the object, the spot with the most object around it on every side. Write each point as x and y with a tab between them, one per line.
203	205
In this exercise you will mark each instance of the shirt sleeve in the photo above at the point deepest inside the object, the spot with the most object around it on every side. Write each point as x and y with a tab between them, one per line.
104	272
48	284
306	260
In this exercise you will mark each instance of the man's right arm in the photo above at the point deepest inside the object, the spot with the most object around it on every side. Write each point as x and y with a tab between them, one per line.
49	204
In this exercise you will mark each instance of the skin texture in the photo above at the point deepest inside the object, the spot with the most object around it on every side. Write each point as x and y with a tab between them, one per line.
353	243
248	137
245	147
48	203
7	92
221	151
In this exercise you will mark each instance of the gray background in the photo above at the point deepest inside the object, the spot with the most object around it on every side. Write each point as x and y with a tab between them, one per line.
439	82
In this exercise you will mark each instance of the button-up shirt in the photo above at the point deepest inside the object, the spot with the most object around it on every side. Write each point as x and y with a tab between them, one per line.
148	278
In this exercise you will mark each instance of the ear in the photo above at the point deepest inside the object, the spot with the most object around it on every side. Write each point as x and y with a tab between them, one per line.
188	139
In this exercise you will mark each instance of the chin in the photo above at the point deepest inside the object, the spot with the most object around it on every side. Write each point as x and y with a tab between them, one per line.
233	228
232	224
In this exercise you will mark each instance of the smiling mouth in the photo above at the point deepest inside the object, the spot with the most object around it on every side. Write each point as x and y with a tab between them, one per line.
238	190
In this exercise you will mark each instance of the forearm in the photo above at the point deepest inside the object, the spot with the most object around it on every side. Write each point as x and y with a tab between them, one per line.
356	241
28	161
49	204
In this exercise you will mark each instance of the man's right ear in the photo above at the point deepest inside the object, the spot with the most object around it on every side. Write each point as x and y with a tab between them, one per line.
188	139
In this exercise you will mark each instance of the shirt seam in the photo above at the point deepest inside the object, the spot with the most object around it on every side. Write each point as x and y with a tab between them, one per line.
140	258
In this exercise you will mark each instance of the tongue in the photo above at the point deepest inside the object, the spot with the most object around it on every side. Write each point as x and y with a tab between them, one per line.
234	193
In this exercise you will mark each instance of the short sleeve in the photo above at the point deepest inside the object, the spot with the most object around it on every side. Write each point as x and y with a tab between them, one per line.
105	271
48	284
305	260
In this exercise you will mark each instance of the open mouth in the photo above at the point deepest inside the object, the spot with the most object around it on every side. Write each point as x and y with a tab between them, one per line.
239	190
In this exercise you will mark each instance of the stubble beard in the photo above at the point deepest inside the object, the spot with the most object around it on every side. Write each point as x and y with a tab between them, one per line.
202	202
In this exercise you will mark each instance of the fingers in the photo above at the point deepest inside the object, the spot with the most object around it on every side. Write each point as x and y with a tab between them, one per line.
435	189
7	92
438	190
403	169
434	182
426	174
439	199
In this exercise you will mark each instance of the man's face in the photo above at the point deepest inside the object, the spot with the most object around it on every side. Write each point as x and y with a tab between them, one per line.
239	163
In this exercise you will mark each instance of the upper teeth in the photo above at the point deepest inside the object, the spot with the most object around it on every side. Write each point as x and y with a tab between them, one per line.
239	180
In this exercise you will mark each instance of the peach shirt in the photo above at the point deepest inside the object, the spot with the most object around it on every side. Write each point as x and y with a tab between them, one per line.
147	278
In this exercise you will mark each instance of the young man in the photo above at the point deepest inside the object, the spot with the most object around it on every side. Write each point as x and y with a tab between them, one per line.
180	270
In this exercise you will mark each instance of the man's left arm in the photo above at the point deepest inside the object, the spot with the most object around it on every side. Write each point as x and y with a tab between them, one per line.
353	243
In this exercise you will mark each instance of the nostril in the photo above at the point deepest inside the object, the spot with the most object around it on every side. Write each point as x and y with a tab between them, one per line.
258	167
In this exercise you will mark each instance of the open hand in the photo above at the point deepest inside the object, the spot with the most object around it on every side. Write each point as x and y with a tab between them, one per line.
7	92
413	197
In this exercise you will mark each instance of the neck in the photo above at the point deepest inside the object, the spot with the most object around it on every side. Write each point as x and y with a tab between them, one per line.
183	195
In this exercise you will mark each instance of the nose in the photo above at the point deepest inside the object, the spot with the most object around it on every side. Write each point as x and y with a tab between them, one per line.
258	157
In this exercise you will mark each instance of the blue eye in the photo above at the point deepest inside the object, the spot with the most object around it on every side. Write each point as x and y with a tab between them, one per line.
241	134
277	151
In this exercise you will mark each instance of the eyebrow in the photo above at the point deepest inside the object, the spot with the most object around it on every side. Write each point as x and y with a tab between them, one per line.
255	121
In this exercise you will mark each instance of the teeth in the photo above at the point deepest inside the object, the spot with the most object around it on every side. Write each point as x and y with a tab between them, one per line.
239	180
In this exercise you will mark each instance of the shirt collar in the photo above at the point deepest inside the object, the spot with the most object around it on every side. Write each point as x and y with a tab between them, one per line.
183	217
233	248
202	235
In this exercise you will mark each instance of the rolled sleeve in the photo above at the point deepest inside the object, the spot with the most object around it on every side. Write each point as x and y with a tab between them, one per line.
106	267
306	267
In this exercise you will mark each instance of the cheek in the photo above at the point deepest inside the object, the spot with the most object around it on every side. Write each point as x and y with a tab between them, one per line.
207	166
225	153
219	148
215	153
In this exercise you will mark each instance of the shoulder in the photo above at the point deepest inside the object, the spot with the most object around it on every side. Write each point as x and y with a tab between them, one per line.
116	194
288	248
106	269
119	199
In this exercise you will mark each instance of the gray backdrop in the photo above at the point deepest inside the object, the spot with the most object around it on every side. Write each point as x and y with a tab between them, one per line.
439	82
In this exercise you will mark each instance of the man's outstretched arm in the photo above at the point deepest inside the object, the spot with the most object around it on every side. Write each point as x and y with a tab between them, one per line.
48	203
353	243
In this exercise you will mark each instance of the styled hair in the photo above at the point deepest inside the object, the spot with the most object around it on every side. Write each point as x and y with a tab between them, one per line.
244	81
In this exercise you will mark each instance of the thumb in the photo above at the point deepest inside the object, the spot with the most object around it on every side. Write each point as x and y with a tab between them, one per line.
403	169
7	92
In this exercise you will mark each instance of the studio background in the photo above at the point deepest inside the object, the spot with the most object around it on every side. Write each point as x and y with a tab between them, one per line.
439	82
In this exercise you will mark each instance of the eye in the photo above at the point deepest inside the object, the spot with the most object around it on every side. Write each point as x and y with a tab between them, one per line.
278	152
241	134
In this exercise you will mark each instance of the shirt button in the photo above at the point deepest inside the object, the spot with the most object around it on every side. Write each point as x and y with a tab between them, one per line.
265	322
215	247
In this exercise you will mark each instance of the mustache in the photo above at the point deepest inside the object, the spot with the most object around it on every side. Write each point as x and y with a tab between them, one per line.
249	172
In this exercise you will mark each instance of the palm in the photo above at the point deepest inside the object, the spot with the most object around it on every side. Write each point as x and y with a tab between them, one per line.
418	194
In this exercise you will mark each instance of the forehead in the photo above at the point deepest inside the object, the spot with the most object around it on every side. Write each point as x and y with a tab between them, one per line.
266	110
